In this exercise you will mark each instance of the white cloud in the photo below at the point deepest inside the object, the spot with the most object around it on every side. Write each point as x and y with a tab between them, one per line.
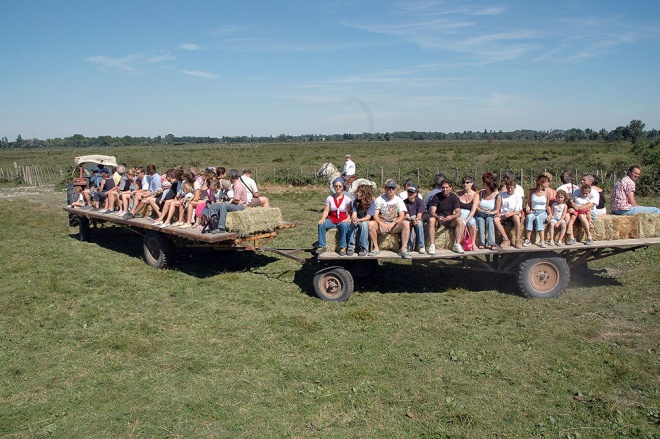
128	63
200	74
189	46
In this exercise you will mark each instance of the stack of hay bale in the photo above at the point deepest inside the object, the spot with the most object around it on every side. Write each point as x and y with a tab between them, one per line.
254	220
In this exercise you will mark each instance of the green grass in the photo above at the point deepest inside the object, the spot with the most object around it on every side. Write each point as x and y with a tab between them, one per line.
95	343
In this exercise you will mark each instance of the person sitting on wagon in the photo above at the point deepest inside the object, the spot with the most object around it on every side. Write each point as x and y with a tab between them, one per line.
567	186
445	210
537	209
94	184
362	210
107	184
236	203
580	208
437	183
404	193
254	198
415	208
518	190
510	213
141	198
336	214
389	217
623	195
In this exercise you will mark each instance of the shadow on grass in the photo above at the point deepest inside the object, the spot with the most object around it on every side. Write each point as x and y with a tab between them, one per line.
392	278
197	262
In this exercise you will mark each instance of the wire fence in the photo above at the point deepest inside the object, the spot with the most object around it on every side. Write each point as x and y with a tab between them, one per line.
423	176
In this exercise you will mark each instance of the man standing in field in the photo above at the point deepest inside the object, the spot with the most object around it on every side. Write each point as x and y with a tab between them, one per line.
623	195
389	217
349	171
253	197
445	210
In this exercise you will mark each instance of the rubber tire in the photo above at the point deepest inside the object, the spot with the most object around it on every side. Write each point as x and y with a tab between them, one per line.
333	284
157	250
83	229
362	268
544	277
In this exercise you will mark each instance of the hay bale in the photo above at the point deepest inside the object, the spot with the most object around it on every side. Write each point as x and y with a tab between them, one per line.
253	220
445	238
649	225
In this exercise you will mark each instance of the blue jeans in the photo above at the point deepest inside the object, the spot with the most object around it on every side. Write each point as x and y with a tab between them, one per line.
416	234
342	228
485	221
362	229
536	220
637	209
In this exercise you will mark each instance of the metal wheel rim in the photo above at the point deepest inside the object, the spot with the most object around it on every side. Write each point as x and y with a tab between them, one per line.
544	277
331	285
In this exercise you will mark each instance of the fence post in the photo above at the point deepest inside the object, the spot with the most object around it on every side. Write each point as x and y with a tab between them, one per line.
382	175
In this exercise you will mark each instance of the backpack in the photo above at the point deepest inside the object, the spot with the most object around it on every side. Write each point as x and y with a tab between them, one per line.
211	223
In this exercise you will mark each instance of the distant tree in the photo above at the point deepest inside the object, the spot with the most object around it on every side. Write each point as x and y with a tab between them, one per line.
635	131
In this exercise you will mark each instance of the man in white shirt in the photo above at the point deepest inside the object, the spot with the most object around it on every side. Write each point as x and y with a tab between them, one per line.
349	170
253	197
510	175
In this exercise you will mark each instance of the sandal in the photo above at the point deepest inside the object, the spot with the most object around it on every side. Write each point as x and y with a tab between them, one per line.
374	252
493	247
481	246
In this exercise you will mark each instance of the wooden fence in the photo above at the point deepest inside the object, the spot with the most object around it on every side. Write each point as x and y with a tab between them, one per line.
31	175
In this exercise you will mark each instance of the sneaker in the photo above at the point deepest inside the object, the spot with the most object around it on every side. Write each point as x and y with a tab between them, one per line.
458	249
342	251
362	253
158	223
431	249
570	241
589	241
128	215
162	226
374	252
350	252
551	242
422	250
542	244
186	226
526	243
559	243
178	224
406	255
320	250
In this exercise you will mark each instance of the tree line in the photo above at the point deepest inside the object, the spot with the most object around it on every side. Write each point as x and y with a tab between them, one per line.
633	132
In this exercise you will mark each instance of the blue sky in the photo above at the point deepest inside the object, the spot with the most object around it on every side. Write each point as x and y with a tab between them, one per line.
212	68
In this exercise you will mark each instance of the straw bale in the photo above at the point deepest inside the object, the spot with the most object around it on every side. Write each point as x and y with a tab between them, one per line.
253	220
649	225
445	238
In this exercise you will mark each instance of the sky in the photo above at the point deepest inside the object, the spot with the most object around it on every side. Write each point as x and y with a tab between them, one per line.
234	68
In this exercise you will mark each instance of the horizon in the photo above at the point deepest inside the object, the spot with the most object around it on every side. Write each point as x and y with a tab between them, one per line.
303	67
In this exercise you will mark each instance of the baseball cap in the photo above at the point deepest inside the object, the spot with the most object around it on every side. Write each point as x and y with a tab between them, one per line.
391	183
413	188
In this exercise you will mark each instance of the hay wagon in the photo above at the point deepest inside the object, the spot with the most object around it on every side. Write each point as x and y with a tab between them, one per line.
159	244
540	272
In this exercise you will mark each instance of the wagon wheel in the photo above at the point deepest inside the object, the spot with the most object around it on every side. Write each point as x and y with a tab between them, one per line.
543	277
83	229
157	250
333	284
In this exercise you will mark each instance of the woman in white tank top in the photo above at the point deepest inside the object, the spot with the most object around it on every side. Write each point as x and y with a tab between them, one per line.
537	210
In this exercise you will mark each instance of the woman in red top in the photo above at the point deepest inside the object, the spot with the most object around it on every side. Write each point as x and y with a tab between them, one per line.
335	214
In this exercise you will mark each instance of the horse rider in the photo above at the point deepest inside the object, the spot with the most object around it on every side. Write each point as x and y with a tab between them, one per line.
349	171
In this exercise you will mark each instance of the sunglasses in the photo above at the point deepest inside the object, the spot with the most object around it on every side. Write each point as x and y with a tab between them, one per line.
338	186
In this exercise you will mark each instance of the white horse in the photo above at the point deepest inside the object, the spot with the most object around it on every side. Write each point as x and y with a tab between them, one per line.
330	171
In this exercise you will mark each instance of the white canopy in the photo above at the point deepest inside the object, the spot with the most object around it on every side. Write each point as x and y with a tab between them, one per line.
107	160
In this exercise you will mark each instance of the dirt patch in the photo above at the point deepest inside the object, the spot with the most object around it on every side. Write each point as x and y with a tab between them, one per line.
24	191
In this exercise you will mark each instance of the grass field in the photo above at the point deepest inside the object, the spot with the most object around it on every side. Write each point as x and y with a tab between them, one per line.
95	343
